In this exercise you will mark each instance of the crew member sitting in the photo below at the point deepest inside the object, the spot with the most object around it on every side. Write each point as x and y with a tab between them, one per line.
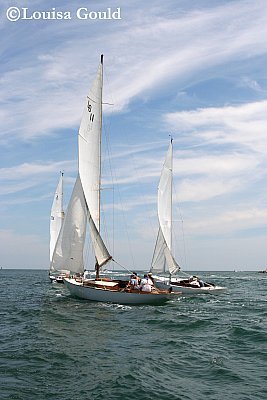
146	284
194	281
133	282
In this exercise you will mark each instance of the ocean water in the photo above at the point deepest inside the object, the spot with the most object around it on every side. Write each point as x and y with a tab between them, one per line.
53	346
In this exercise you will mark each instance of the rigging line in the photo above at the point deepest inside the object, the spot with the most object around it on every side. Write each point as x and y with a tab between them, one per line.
125	268
182	228
146	204
115	179
106	131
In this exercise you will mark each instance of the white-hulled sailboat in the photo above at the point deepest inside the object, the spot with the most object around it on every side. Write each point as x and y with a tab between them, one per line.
56	221
164	266
83	208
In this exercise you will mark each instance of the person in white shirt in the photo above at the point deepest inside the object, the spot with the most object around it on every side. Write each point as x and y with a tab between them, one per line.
146	284
134	282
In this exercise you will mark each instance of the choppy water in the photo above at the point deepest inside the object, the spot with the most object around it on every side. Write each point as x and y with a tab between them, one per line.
205	347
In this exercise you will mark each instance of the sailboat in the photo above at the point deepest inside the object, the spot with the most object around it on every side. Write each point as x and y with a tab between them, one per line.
84	209
56	221
164	267
264	271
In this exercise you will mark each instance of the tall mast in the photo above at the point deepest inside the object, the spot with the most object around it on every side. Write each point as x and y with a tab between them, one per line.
62	194
100	158
100	140
171	194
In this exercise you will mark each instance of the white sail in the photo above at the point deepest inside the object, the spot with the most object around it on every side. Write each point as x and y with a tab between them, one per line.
89	142
85	201
165	198
68	254
163	260
57	215
101	253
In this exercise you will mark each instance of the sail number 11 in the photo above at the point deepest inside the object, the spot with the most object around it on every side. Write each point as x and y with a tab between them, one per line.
89	107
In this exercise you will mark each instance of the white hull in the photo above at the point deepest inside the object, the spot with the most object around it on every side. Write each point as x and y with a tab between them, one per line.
56	278
106	295
189	290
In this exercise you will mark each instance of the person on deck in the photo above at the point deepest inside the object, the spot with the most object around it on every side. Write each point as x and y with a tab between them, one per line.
146	284
151	278
194	282
137	277
134	282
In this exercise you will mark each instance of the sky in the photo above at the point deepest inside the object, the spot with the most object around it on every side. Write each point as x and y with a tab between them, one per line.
195	70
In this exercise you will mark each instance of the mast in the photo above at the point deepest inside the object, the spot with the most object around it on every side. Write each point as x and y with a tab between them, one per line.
171	189
100	141
62	194
97	267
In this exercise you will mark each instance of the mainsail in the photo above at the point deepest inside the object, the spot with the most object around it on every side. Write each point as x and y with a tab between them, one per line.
163	260
57	215
89	142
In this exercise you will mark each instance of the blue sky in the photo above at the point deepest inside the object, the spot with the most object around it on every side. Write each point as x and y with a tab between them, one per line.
195	69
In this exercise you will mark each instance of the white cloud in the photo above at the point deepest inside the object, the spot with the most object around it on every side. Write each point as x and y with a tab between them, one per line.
244	125
45	93
26	176
229	222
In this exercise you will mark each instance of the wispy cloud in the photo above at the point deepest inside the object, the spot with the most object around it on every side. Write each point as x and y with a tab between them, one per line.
49	89
26	176
244	125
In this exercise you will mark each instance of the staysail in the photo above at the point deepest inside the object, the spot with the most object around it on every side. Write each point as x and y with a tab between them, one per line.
57	215
163	260
68	254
